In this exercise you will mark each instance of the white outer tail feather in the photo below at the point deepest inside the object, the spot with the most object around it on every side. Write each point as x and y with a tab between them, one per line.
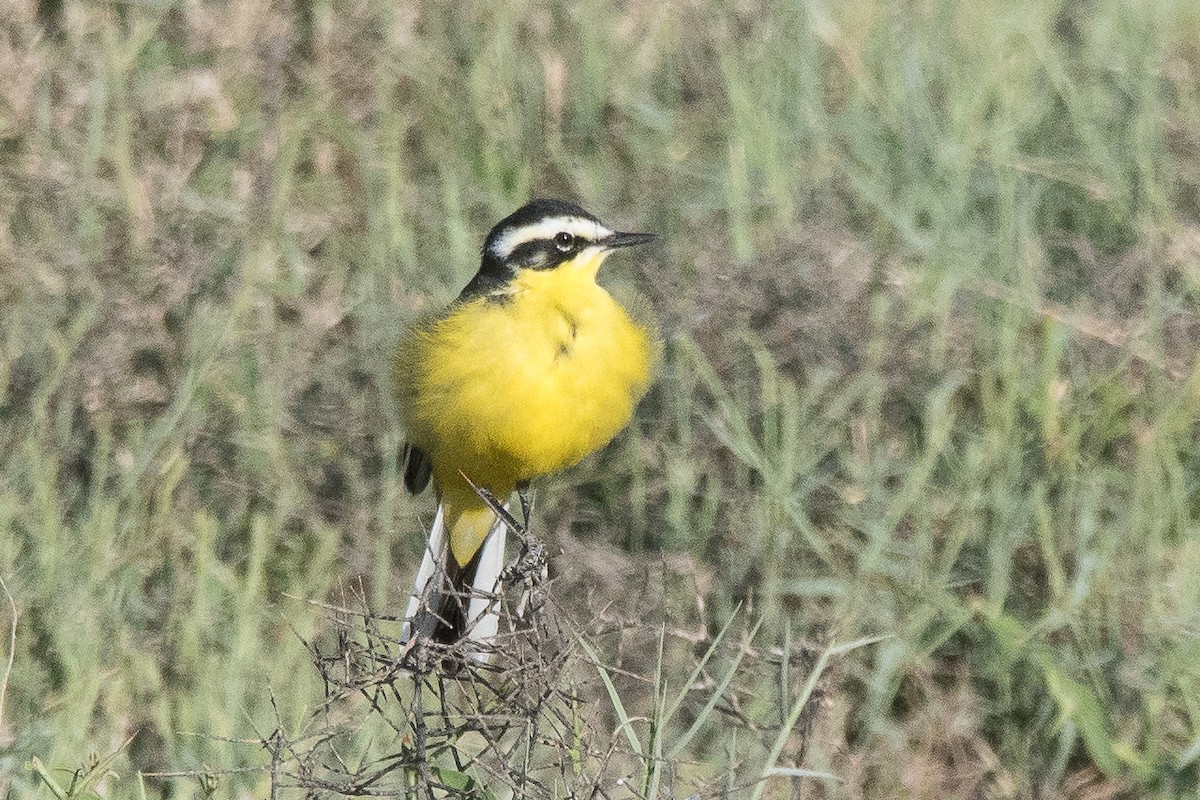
435	553
483	617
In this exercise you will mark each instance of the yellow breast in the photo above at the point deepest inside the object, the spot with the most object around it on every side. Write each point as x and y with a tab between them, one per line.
507	390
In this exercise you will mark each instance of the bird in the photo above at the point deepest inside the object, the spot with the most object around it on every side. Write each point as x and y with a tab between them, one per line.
532	368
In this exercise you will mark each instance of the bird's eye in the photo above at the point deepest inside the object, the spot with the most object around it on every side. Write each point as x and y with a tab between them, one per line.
563	241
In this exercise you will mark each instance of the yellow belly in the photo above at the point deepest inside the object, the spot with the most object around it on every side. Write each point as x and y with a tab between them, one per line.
509	390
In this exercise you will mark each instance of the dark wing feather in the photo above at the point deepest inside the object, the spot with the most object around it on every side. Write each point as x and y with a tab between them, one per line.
417	468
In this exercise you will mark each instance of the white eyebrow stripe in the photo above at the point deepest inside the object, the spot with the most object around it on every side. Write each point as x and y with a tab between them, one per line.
509	241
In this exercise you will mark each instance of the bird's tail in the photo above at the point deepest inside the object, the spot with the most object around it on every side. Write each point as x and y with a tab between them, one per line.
449	601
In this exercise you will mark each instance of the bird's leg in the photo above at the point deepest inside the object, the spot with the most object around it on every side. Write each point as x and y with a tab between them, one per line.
530	566
526	503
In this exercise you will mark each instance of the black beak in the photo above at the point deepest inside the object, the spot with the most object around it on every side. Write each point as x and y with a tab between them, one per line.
626	240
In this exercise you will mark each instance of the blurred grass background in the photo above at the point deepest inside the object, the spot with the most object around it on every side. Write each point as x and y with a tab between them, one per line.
928	280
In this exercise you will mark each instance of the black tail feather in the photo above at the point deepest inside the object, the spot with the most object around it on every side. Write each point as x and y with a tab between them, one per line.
451	613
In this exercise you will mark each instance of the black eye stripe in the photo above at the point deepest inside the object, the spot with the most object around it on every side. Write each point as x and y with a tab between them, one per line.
540	254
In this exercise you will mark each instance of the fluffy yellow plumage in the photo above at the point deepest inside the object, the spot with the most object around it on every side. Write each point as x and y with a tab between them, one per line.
506	391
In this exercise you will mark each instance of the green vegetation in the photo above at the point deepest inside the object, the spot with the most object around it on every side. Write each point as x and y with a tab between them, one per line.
928	283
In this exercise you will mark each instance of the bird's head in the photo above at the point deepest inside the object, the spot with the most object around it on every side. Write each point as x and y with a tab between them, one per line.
547	234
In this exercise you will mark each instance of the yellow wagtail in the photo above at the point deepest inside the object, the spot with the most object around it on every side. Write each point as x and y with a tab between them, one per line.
532	368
